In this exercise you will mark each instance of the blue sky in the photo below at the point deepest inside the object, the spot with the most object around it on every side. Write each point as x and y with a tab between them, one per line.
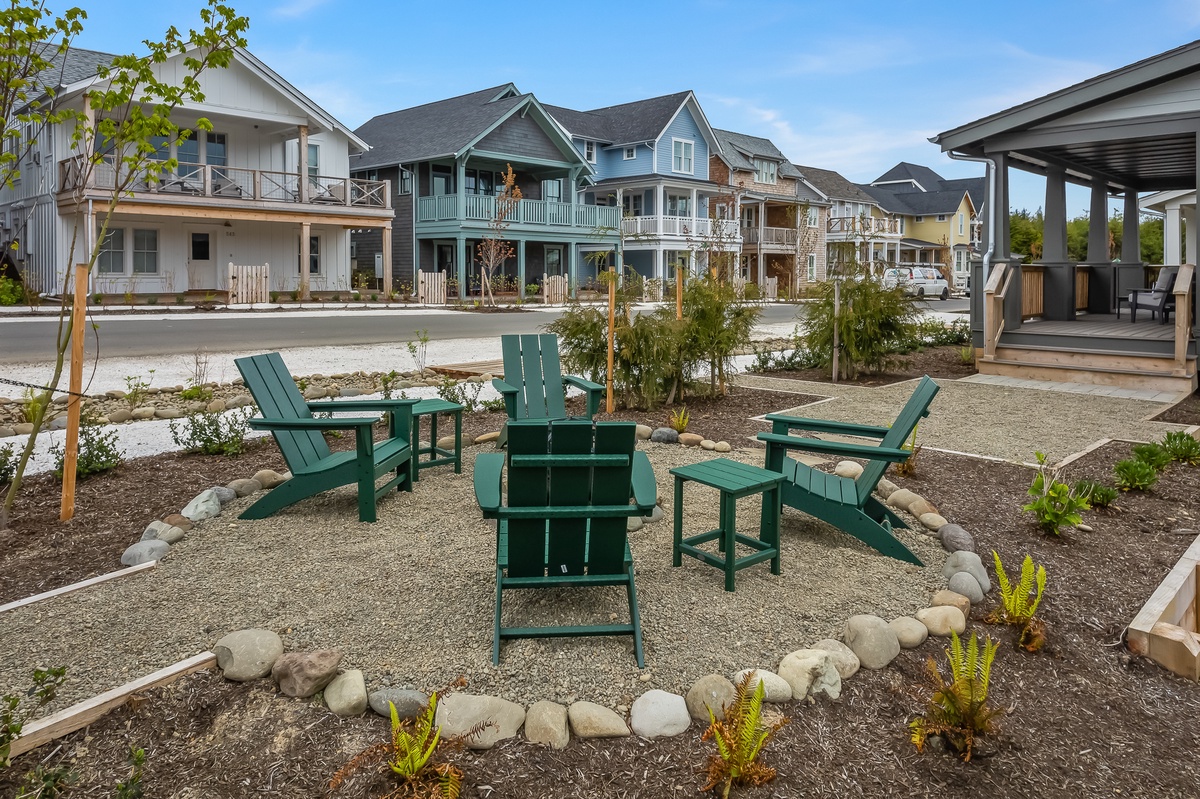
854	87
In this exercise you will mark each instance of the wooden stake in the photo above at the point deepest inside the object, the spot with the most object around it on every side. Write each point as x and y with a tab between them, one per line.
612	335
837	298
678	292
74	406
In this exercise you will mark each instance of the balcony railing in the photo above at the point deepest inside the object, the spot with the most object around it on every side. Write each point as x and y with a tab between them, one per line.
228	183
783	236
482	208
863	226
682	226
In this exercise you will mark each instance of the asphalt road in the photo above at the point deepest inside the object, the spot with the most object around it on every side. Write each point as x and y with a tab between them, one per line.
27	340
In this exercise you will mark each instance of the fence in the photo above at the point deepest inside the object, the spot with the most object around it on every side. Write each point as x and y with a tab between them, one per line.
652	290
249	283
554	289
431	287
771	289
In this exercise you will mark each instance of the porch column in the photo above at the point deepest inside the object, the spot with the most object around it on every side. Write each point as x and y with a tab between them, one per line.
520	268
572	277
460	261
305	233
1172	252
660	208
1131	242
1054	239
658	263
1097	252
302	169
1189	235
762	235
1003	245
1108	284
387	260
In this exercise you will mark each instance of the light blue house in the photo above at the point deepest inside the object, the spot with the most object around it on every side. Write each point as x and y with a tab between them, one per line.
651	160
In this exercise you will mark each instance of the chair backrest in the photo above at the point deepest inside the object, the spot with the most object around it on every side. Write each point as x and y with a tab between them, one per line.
577	473
916	409
531	365
1166	278
271	385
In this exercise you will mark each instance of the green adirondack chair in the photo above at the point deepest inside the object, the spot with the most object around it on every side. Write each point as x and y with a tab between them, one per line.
314	468
845	503
569	485
533	381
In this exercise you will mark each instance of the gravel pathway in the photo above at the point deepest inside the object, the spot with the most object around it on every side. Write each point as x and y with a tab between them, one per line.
410	599
999	421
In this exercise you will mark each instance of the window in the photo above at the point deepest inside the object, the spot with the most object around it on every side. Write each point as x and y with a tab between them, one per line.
814	217
750	216
404	185
145	252
314	160
812	268
900	229
215	150
941	217
960	224
370	174
188	154
589	151
918	219
679	205
960	261
443	180
552	190
200	247
314	255
765	171
681	160
630	153
112	253
632	203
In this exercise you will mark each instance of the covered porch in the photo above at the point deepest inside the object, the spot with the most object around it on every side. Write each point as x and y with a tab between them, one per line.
1055	318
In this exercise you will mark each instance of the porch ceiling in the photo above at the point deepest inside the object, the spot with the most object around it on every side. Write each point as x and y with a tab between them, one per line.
1150	163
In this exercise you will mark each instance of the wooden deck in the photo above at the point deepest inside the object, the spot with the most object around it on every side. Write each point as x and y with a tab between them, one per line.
1104	326
471	369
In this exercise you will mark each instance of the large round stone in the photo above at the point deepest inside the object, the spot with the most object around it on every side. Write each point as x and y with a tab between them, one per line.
302	674
851	469
546	724
810	672
963	561
710	692
589	720
963	583
691	439
953	599
247	654
909	632
943	620
346	694
268	478
901	498
408	702
205	505
844	659
144	552
659	714
955	539
775	688
872	640
458	713
664	435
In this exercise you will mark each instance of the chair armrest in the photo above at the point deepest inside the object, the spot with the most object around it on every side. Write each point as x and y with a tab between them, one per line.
645	487
592	390
866	451
311	424
510	394
502	387
360	405
489	467
781	424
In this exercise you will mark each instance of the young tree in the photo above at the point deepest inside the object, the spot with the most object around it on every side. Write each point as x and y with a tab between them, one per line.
130	105
494	250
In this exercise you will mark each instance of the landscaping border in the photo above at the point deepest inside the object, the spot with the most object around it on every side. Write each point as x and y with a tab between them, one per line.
68	589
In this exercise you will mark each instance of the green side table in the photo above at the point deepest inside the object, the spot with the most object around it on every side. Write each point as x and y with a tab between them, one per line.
734	480
437	456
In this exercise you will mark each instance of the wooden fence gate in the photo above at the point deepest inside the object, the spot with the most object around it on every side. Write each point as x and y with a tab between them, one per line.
431	287
249	283
771	289
554	289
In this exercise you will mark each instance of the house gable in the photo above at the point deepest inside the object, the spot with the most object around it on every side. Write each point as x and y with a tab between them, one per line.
684	127
521	135
1172	98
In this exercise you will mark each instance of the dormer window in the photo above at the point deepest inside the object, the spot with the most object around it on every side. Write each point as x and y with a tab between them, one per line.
589	151
765	171
630	153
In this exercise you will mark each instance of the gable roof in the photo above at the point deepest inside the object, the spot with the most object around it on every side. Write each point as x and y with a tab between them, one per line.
916	203
738	150
925	178
919	191
834	186
75	65
627	123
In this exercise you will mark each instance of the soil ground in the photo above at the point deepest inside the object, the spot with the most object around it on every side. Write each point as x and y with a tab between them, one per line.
937	362
1083	717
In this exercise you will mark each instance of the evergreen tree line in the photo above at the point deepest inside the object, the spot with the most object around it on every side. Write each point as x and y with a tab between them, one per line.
1026	236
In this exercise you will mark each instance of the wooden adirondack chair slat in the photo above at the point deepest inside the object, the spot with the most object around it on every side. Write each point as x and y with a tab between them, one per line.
533	381
314	468
848	504
564	523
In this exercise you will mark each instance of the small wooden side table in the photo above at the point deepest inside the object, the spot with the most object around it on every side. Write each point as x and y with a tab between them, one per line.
437	455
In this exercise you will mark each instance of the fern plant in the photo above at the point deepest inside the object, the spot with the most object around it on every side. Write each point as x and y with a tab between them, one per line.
740	739
1153	455
959	711
1055	503
1135	475
1182	447
1098	494
1019	602
907	468
680	418
408	753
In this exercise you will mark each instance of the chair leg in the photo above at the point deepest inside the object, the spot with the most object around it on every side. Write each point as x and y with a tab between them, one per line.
878	511
278	498
496	623
768	527
634	617
876	536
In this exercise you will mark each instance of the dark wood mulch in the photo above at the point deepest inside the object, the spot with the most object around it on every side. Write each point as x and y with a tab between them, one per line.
939	362
1186	411
1085	718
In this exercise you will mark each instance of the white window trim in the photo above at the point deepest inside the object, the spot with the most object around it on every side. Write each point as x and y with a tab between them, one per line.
814	217
760	164
941	217
960	223
691	144
630	153
918	219
133	251
811	268
589	152
320	255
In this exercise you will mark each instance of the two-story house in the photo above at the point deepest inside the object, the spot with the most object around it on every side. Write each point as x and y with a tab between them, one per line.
651	159
782	216
857	228
270	184
445	161
940	218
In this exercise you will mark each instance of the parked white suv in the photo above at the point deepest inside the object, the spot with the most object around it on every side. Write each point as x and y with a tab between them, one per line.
919	281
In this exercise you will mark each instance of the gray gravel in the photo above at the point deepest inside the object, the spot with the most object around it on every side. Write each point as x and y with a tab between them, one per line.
409	600
981	419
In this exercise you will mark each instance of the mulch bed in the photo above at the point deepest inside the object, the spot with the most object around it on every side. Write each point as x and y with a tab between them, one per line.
937	362
1085	717
1187	411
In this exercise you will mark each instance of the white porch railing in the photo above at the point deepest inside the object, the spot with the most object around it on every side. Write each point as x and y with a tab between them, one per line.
225	182
482	208
681	226
862	225
431	288
772	235
249	283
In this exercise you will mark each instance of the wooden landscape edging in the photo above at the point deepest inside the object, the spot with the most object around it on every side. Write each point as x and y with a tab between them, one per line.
84	713
1165	629
67	589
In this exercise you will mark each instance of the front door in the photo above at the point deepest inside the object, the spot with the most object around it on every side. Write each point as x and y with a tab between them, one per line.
201	263
554	259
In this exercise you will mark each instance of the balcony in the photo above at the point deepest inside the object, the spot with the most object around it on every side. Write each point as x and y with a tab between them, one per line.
537	213
679	226
771	236
862	226
189	181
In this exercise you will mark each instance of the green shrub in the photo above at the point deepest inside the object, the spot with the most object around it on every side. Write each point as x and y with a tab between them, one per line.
1135	475
494	405
152	299
1182	447
1153	455
11	292
196	393
16	709
1055	504
8	464
97	299
930	332
1098	494
98	451
47	782
872	323
212	433
465	394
